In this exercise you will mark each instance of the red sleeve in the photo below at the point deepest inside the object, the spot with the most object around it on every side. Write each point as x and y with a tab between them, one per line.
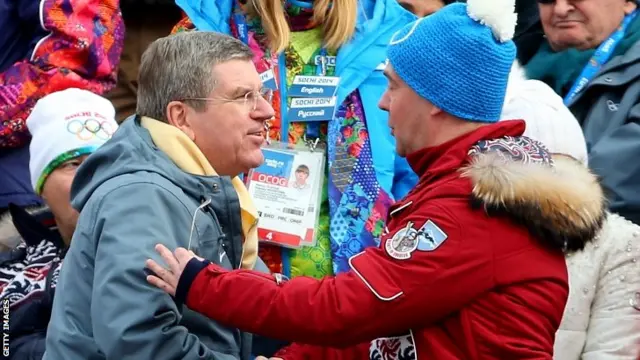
82	50
380	296
313	352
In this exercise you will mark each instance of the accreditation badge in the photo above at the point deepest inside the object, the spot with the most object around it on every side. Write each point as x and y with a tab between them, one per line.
286	190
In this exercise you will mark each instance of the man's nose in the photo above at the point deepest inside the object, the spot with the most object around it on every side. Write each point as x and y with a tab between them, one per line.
383	104
562	8
264	111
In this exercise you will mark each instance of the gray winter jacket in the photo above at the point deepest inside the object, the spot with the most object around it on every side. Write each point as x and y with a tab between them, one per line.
131	197
609	112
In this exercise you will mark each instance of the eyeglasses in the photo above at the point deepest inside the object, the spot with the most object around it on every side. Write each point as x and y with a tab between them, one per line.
249	100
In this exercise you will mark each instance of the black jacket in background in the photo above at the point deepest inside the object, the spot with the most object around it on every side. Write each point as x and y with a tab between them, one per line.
30	318
529	34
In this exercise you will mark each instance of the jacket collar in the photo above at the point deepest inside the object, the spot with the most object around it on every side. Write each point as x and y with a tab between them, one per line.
448	157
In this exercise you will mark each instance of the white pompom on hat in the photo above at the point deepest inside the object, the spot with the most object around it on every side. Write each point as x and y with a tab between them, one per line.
65	125
498	15
547	119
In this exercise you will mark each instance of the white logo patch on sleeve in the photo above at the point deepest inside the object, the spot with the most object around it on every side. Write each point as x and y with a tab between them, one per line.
403	243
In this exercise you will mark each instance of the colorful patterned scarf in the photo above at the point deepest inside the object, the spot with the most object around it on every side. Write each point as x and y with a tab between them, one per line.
354	206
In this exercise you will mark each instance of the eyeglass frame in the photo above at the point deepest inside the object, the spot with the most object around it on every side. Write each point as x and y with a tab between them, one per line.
257	93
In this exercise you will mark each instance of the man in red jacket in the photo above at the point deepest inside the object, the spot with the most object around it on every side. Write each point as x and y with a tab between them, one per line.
471	263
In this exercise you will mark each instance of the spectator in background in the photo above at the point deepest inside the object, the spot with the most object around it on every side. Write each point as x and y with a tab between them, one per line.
602	316
365	175
528	36
47	46
145	22
66	127
164	177
591	58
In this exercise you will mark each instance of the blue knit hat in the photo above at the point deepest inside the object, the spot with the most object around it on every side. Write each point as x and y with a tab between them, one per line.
460	57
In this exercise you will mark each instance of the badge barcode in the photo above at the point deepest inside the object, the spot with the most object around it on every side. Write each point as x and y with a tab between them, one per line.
293	211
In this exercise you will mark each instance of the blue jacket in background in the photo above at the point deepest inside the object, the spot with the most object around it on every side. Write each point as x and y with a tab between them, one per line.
20	31
358	65
15	180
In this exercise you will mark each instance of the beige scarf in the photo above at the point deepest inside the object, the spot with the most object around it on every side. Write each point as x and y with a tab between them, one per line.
188	157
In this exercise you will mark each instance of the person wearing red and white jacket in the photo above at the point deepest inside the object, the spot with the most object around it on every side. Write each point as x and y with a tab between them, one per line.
602	317
471	263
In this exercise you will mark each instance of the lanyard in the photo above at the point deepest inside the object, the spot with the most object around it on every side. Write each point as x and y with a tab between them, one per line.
243	35
313	127
599	58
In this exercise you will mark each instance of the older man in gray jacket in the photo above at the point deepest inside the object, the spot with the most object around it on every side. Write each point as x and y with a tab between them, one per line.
592	59
167	176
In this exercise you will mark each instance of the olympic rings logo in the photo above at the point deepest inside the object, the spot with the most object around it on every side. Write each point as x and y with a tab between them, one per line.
90	129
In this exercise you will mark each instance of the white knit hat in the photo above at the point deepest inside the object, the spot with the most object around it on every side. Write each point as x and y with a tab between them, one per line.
65	125
548	120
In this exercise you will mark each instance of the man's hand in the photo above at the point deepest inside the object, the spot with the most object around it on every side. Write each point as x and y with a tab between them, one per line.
167	279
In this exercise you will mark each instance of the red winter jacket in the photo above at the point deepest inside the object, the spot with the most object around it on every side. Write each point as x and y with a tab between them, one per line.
470	266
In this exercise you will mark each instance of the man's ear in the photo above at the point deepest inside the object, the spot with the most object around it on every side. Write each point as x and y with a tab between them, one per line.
630	6
180	115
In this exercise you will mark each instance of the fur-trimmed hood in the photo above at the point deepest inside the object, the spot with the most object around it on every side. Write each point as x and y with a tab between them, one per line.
561	204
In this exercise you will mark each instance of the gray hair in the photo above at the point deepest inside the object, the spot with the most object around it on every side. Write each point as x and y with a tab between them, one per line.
180	67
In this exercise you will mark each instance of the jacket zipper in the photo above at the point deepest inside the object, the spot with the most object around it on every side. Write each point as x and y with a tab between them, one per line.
52	269
233	258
